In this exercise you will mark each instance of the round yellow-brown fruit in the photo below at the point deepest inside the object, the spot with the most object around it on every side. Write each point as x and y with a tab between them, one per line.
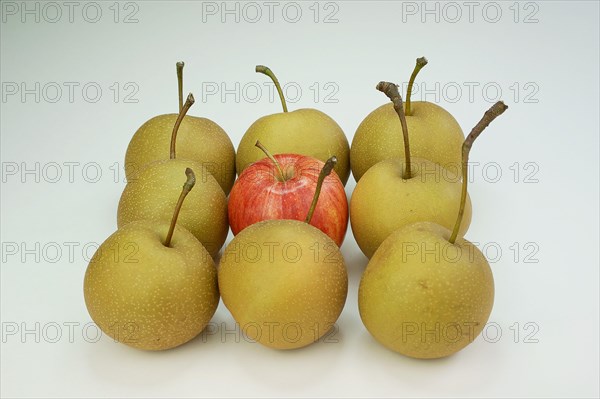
284	282
433	134
149	296
424	297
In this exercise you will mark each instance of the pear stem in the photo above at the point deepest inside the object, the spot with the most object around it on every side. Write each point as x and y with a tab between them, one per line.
272	158
421	62
391	90
267	71
187	187
325	171
491	114
179	67
188	103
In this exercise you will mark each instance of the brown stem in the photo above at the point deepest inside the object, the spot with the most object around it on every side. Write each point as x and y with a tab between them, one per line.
272	158
421	62
187	187
179	67
267	71
188	103
325	171
391	90
491	114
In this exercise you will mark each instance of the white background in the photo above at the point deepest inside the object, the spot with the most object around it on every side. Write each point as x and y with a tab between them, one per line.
547	71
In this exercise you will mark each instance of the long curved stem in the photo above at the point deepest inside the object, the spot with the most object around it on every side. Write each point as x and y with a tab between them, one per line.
325	171
421	62
391	90
187	187
267	71
463	195
188	103
272	158
491	114
179	67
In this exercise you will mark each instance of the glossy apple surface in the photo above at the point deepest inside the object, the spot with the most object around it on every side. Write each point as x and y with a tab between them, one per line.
261	193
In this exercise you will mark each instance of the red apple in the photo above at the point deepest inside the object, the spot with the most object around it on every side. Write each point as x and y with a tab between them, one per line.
265	190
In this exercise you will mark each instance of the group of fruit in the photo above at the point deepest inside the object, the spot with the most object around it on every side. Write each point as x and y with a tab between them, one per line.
153	284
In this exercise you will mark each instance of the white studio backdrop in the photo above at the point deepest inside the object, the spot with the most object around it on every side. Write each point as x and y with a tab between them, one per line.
78	78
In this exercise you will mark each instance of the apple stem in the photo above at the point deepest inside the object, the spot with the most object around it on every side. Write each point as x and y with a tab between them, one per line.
272	158
491	114
325	171
179	67
391	90
188	103
267	71
421	62
187	187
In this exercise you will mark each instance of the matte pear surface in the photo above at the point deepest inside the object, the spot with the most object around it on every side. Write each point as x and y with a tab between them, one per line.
383	201
153	194
149	296
285	281
433	134
424	297
304	131
198	139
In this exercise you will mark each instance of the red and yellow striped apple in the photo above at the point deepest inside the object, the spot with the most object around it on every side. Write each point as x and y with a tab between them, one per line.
282	187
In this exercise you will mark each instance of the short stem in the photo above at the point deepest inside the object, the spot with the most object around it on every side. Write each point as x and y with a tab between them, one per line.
179	67
325	171
272	158
188	103
187	187
491	114
266	71
391	90
421	62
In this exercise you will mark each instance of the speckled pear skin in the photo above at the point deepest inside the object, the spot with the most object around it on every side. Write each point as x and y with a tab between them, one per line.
198	139
293	292
433	134
153	194
409	289
304	131
383	202
149	296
